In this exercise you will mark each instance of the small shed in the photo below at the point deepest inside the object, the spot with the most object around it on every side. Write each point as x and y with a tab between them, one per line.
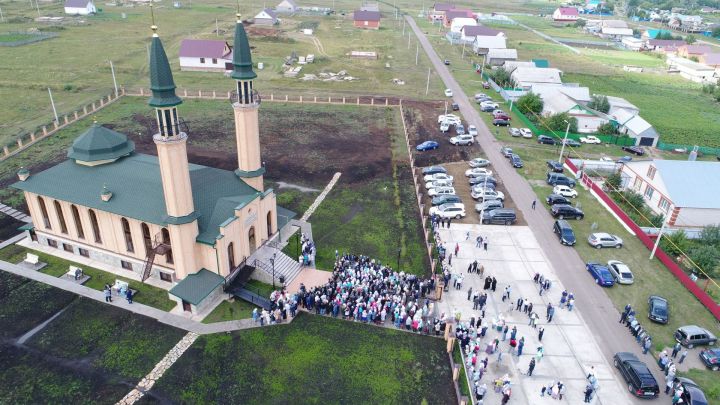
266	17
80	7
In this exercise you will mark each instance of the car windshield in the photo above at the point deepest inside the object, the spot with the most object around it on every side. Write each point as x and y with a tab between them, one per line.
604	273
568	234
660	308
626	275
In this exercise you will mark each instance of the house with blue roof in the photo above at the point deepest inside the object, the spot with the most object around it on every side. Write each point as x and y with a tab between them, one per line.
686	192
187	227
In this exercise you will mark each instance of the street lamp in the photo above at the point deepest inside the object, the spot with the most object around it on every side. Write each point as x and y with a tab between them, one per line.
272	262
562	149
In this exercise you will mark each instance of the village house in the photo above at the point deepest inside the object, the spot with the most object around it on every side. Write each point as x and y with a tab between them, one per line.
451	15
526	77
632	43
710	59
286	7
685	191
266	17
511	65
205	55
572	100
80	7
468	33
633	125
437	13
694	71
459	23
566	14
498	56
483	43
654	33
366	19
667	46
689	51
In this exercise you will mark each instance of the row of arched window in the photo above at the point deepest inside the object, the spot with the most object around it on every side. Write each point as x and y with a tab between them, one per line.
127	232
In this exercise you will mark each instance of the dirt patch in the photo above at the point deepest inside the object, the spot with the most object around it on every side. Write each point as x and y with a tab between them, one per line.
8	227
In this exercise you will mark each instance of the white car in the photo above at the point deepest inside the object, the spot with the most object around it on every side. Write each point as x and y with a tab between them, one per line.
465	139
450	118
438	183
565	191
444	127
478	171
487	194
479	162
488	104
438	176
621	272
472	130
600	240
441	191
449	210
526	132
590	139
448	93
515	132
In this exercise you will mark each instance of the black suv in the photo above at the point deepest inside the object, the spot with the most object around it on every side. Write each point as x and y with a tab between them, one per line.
555	179
562	211
504	216
641	382
546	140
634	149
557	167
564	232
553	199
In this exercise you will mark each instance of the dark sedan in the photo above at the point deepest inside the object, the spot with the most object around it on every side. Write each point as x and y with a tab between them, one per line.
658	309
711	358
489	180
555	166
641	382
692	394
566	211
445	199
571	142
500	123
545	140
634	150
553	199
516	161
601	274
434	170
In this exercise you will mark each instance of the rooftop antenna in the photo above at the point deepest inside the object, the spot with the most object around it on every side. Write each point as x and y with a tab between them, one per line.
237	14
153	27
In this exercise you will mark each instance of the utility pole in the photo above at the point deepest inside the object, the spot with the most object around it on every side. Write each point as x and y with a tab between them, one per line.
409	40
417	52
482	68
657	241
427	86
112	69
463	53
37	6
217	28
562	149
52	103
403	27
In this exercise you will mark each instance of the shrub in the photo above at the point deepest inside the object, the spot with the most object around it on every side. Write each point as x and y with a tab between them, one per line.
607	129
707	258
558	122
502	77
710	235
530	104
613	183
675	243
599	103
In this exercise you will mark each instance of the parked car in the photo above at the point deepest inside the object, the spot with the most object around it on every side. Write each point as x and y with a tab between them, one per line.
553	199
692	335
526	132
590	139
601	239
437	176
478	171
441	191
483	181
504	216
565	191
692	394
438	183
448	93
502	116
500	122
449	118
641	382
446	61
472	130
444	127
563	211
483	99
544	139
489	107
455	107
621	272
486	85
601	274
449	210
460	129
507	152
515	132
515	161
478	162
571	142
427	145
555	179
624	159
658	309
564	232
433	170
480	95
444	199
484	194
636	150
489	205
711	358
462	140
555	166
498	111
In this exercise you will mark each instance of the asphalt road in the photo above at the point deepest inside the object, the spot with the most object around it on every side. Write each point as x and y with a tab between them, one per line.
596	306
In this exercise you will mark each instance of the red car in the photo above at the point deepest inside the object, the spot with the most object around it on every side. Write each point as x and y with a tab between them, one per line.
502	117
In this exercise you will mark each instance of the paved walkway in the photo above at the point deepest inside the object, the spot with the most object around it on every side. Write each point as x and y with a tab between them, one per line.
320	197
12	212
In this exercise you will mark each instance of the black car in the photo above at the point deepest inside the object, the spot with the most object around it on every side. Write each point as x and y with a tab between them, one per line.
573	143
692	394
434	170
447	62
516	161
455	107
504	216
658	309
445	199
557	179
562	211
553	199
555	166
641	382
564	232
545	140
634	149
500	123
482	180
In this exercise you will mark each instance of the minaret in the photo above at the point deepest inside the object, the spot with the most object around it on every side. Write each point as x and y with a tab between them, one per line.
246	101
172	156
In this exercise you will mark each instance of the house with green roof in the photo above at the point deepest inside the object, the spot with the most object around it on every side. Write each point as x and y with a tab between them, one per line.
188	227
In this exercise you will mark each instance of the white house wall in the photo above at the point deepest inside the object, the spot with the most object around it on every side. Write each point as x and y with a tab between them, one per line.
697	217
187	63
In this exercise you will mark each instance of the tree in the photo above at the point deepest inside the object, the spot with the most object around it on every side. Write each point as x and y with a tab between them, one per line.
675	243
557	122
580	23
530	104
613	182
633	199
707	258
690	39
607	129
502	77
599	103
710	235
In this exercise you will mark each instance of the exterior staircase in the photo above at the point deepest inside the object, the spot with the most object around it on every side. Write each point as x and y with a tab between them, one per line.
285	266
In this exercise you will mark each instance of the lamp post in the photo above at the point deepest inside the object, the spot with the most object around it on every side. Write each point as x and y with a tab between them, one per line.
562	148
272	262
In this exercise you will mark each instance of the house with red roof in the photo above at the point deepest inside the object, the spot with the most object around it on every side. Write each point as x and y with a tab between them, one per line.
710	59
457	13
688	51
366	19
437	13
205	55
567	14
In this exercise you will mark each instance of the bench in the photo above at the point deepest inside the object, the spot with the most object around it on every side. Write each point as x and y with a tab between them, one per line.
32	259
121	288
75	272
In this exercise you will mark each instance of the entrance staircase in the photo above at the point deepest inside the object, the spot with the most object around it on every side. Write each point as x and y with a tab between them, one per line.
285	266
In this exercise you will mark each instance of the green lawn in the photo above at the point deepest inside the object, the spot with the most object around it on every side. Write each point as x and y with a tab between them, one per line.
311	360
14	37
462	379
147	294
230	311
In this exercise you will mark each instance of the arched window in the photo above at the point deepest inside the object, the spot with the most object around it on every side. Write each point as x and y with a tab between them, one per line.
78	222
166	240
128	235
146	238
231	256
251	240
95	226
44	212
269	224
61	216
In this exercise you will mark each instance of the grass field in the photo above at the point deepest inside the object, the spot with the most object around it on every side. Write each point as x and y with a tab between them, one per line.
312	360
14	37
230	311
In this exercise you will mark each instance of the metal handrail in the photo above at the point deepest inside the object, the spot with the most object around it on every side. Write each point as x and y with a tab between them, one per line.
235	97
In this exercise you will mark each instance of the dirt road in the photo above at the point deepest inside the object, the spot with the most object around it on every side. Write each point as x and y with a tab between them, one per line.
597	308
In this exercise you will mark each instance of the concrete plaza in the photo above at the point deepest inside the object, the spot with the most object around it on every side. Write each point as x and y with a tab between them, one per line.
570	350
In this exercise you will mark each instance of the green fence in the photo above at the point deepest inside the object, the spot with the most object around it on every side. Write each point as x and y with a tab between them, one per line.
706	150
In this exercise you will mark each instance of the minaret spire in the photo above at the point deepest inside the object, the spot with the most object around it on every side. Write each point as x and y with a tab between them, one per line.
162	86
